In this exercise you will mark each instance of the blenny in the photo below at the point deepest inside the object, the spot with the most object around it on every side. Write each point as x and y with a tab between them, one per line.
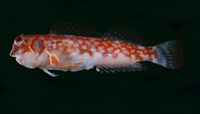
73	47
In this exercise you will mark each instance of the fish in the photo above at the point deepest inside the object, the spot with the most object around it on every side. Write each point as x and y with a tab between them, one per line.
73	47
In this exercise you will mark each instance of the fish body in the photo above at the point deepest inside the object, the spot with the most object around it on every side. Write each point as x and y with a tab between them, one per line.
67	51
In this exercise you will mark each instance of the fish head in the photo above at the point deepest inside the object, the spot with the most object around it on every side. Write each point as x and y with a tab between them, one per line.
23	52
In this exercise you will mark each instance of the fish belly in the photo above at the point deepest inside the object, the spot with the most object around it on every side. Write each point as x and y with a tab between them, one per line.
109	59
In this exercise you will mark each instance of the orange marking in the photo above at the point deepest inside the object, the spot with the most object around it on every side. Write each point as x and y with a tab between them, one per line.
155	53
54	60
72	66
137	55
78	63
115	55
32	44
126	53
91	53
81	60
104	54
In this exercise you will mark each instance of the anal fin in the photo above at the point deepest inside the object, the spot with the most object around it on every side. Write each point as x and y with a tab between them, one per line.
140	66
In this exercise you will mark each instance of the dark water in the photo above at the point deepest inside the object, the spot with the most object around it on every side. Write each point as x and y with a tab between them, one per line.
158	90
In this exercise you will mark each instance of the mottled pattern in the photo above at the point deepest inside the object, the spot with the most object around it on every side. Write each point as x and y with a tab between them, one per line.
75	53
92	45
75	47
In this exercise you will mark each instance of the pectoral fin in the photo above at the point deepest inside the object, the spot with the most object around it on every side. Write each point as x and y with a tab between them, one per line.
64	58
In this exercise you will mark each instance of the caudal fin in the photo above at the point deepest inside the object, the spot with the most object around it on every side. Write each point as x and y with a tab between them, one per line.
169	54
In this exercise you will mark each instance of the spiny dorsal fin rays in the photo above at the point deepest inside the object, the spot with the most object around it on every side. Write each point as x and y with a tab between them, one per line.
68	28
120	33
140	66
124	34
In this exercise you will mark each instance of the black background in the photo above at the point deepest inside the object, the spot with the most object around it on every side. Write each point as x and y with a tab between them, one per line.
157	90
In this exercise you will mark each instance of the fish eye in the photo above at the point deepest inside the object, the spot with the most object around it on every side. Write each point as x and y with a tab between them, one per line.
18	39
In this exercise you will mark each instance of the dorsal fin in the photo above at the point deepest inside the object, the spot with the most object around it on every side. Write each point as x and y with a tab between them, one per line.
68	28
121	33
140	66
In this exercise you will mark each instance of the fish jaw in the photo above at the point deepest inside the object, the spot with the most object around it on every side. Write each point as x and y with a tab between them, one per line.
30	60
25	60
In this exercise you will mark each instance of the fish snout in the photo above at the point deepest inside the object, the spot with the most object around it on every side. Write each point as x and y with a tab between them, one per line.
12	52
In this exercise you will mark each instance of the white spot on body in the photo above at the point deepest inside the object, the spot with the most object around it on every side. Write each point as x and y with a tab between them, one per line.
92	40
110	49
104	43
54	40
139	52
145	57
140	47
132	57
119	45
76	45
80	41
48	42
70	42
115	45
132	51
101	48
65	40
129	47
117	51
54	46
84	47
87	43
59	44
96	43
123	48
49	46
125	52
92	49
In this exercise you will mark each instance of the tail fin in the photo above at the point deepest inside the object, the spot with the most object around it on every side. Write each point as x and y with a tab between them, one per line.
169	54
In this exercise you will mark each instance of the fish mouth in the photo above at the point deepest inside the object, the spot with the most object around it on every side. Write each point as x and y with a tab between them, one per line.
17	57
12	53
